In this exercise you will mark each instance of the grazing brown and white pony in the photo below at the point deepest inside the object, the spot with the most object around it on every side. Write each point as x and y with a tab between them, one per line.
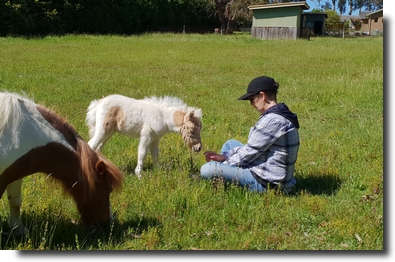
35	140
149	119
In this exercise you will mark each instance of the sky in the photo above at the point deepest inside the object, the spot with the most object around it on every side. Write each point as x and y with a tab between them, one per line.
312	6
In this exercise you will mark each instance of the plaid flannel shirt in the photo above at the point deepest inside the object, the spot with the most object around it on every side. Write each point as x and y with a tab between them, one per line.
271	150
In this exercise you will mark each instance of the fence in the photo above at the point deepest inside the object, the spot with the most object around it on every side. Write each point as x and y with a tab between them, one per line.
188	29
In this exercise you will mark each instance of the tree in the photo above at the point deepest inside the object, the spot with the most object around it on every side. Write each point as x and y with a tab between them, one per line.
359	4
350	6
234	12
221	6
327	6
317	4
332	20
372	5
368	5
333	17
378	4
341	6
333	5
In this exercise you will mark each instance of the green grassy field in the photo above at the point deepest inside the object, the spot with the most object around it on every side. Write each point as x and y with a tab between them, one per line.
334	85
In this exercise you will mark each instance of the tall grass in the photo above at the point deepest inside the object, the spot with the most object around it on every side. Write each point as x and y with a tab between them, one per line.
334	85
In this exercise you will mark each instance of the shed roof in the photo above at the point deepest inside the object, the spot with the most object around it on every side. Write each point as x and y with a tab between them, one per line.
316	13
301	4
375	12
363	13
348	17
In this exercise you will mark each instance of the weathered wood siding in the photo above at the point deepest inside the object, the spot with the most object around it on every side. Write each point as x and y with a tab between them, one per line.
280	17
268	33
277	23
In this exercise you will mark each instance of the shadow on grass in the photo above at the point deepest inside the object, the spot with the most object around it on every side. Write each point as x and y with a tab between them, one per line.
318	184
165	165
54	233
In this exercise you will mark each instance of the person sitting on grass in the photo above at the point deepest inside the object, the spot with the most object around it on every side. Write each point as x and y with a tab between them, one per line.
268	158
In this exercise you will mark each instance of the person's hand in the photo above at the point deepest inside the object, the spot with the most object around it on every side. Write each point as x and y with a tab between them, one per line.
210	155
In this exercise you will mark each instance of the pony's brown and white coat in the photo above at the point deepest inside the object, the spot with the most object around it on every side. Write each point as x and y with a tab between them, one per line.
149	119
35	140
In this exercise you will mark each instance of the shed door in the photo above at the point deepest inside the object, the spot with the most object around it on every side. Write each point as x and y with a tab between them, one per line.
318	27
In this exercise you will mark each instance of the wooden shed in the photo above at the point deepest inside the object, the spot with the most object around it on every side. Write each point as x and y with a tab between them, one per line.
278	21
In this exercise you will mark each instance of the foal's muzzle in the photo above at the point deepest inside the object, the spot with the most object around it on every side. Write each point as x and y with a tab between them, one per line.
197	147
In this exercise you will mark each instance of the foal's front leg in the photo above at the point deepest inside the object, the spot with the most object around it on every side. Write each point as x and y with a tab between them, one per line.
15	203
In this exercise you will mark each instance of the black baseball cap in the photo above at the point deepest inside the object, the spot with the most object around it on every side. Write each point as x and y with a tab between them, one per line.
261	83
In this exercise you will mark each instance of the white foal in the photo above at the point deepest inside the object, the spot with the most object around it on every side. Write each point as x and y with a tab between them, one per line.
149	119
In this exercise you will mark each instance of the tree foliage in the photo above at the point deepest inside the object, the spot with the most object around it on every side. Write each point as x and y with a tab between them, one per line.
42	17
341	5
333	17
235	13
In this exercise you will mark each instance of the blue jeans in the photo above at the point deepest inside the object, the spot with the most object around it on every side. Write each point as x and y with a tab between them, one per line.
233	174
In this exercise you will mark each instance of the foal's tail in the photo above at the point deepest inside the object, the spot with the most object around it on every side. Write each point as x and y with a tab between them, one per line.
91	117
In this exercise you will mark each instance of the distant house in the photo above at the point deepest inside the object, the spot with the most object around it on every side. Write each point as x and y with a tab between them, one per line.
278	21
354	21
372	23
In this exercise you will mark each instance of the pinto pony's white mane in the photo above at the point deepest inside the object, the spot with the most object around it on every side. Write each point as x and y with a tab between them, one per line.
10	110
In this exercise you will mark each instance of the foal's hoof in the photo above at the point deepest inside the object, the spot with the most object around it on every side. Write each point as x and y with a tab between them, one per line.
137	171
138	174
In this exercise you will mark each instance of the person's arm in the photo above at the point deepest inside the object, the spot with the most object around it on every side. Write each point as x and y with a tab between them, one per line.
211	155
261	137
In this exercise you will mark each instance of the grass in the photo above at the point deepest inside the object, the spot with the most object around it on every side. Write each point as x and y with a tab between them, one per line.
334	85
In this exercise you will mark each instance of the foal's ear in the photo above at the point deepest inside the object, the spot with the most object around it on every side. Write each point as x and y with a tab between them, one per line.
197	113
100	167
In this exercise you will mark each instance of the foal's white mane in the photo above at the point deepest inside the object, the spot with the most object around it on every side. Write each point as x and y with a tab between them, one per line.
167	101
170	102
10	109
